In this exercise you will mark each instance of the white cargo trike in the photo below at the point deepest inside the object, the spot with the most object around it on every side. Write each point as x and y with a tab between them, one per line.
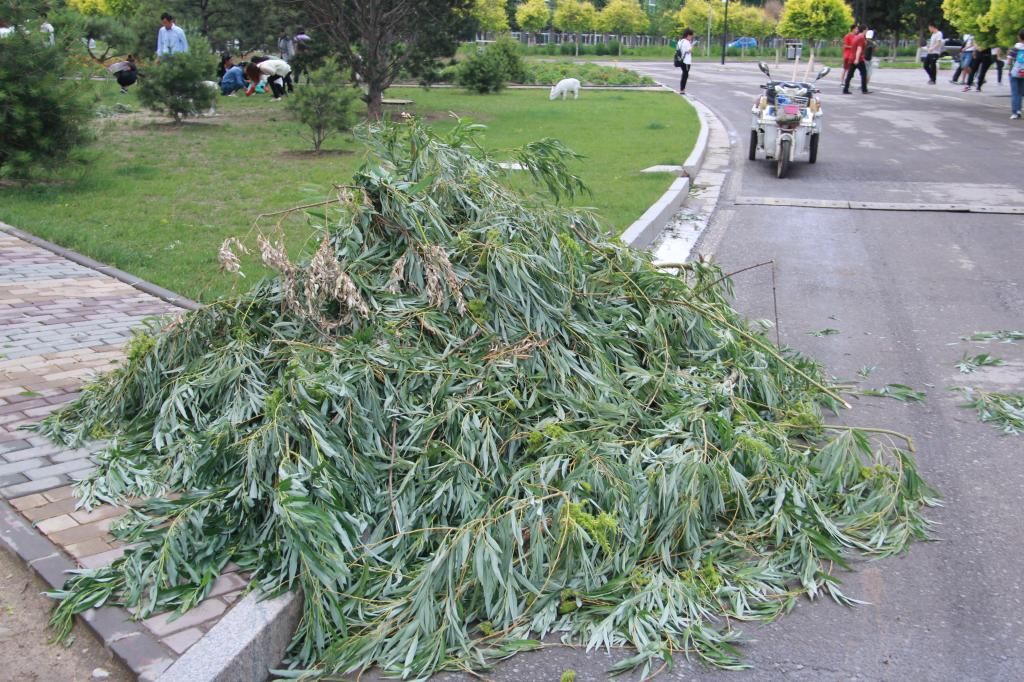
786	122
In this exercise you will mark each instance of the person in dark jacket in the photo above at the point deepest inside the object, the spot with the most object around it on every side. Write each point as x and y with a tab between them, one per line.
126	73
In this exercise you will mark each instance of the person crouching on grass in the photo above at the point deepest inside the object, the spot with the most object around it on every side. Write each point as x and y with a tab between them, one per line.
232	79
276	72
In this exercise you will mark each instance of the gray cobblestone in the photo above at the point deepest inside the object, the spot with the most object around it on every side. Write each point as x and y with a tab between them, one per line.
24	465
71	455
14	445
68	468
20	489
12	479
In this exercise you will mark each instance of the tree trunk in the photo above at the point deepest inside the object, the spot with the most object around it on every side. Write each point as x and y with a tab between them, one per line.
374	106
577	44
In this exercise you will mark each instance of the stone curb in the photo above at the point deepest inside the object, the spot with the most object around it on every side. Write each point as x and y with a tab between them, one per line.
119	275
244	645
129	642
645	230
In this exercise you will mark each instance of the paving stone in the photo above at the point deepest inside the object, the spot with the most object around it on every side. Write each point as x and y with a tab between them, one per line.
70	455
29	502
56	523
163	625
112	624
12	479
20	537
229	582
59	493
74	466
104	511
20	489
50	509
29	453
53	569
143	655
181	641
89	531
231	597
87	548
102	559
13	445
24	465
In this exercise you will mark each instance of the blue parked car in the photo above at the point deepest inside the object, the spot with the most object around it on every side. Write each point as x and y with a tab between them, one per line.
743	43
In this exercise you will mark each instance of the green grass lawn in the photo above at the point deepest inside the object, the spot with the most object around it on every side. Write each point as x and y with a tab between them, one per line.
157	199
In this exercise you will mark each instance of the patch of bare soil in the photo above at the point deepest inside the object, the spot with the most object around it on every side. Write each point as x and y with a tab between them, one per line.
26	652
310	154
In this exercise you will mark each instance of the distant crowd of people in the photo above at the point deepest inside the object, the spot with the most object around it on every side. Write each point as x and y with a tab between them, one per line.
252	76
974	63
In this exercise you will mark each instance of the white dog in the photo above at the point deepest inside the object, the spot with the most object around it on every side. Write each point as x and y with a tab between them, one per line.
212	111
564	87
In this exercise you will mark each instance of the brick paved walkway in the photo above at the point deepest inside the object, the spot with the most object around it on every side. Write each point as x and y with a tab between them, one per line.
60	322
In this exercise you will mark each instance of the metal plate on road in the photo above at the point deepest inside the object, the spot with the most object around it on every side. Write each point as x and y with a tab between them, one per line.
893	206
877	205
791	201
1017	210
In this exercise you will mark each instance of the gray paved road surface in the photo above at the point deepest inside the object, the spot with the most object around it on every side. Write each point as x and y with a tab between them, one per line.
902	288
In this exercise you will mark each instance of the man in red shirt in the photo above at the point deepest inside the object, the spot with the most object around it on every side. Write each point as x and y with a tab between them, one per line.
848	51
857	63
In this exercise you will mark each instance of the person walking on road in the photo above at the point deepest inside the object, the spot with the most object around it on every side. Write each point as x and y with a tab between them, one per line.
848	52
934	50
982	63
170	39
1015	62
967	60
857	63
684	58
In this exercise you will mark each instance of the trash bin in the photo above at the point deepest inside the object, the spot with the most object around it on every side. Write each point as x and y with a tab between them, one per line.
794	50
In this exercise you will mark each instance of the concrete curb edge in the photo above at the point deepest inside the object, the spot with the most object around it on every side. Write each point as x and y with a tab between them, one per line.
126	639
642	233
245	644
120	275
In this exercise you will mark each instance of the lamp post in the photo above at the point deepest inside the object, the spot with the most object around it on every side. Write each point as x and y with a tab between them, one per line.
725	30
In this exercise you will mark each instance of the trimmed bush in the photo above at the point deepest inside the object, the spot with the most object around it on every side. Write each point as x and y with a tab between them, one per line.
175	85
489	71
325	102
44	112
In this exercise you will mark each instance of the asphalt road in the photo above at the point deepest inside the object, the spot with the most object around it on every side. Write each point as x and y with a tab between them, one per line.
902	288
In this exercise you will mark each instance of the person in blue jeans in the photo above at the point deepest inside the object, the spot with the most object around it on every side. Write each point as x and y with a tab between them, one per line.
233	79
1016	75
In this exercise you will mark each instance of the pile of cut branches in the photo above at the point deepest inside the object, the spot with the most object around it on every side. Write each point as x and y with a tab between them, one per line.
470	421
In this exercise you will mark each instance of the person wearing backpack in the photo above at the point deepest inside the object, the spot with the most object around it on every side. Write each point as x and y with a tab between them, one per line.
684	58
1015	62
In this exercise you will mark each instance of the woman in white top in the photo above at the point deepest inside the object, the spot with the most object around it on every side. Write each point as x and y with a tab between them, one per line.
277	72
684	57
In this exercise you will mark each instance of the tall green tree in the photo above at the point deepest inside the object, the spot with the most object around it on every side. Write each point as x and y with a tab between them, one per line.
575	16
533	16
379	40
623	17
1007	18
970	16
490	15
812	20
45	109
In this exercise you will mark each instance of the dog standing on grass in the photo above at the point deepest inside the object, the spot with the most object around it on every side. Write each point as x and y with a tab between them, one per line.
564	87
